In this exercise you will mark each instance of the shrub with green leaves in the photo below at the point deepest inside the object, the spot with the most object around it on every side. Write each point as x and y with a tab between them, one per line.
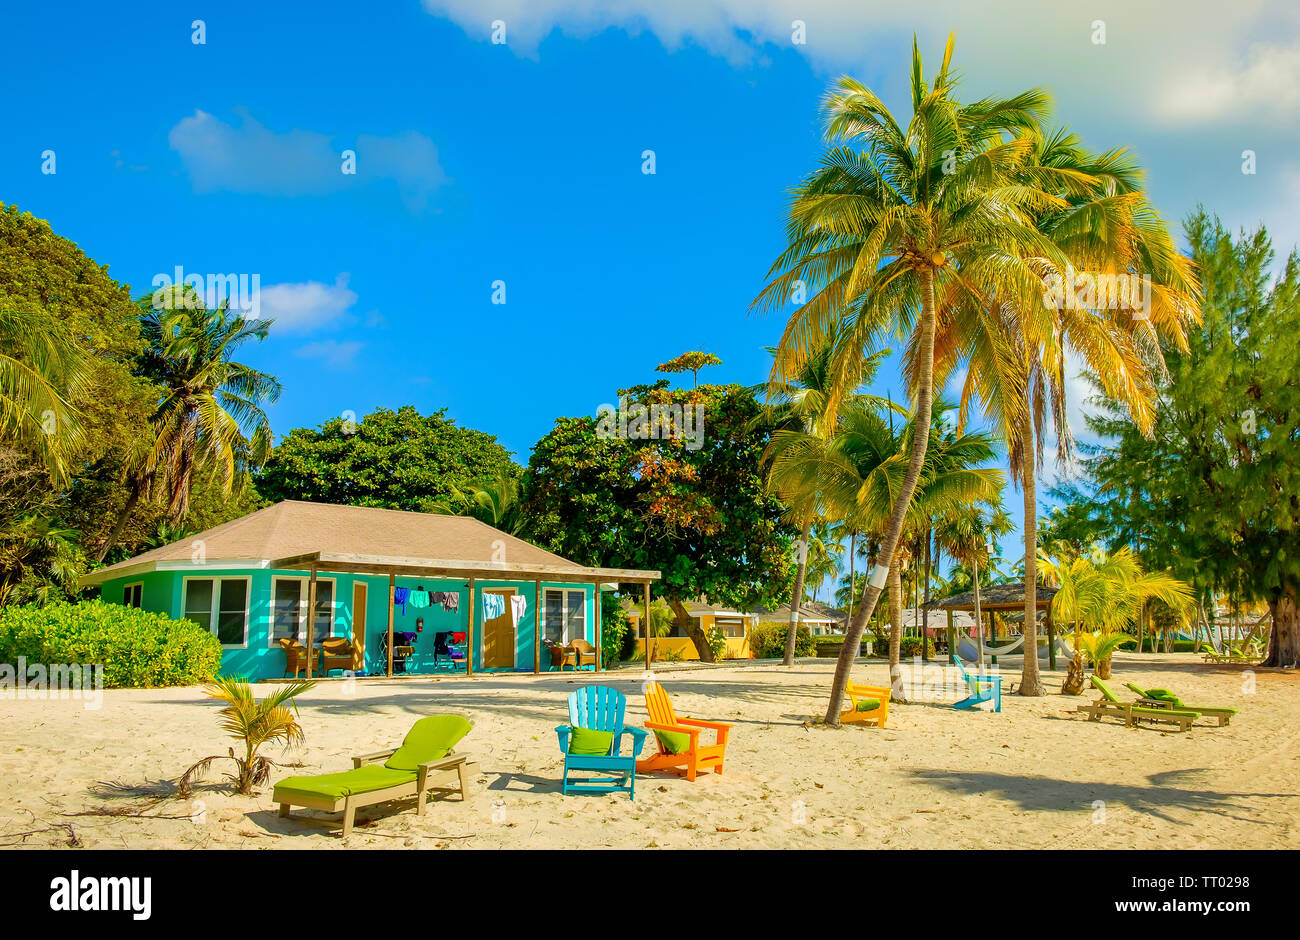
910	646
767	640
137	648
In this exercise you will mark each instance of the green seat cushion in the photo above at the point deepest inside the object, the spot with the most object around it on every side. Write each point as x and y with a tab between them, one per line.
589	742
674	742
1164	695
336	786
429	739
868	704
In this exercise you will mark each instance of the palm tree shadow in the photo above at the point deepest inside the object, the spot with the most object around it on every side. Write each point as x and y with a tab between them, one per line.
1049	794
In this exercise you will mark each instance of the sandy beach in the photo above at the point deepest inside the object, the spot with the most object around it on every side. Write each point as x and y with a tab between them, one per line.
1037	775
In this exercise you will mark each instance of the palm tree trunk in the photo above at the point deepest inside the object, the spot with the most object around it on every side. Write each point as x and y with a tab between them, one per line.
119	527
920	441
853	536
1031	683
796	596
979	619
925	617
896	631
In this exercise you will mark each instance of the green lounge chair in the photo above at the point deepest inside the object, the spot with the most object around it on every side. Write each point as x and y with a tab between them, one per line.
1155	699
426	757
1133	712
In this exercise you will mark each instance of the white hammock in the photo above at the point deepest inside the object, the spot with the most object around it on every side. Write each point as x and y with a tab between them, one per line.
967	650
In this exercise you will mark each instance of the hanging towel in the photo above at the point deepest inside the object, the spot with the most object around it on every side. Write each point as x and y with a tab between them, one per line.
419	599
400	596
451	601
518	607
494	606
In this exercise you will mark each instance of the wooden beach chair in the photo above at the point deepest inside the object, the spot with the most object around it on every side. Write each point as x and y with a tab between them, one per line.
424	762
1163	698
866	703
337	653
584	654
593	741
1133	712
679	738
982	688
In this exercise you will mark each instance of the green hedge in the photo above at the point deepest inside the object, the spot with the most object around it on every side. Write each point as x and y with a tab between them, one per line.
767	640
138	648
910	646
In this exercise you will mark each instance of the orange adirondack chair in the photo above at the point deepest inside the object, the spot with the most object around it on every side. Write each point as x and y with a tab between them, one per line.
695	758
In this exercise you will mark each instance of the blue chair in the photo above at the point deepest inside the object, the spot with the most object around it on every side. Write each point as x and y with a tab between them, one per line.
982	688
599	708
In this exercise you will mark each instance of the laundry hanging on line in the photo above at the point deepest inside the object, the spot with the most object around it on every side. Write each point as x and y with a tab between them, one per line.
400	596
494	605
419	598
518	607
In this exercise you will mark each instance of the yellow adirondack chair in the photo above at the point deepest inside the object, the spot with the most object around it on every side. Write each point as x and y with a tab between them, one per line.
861	708
696	756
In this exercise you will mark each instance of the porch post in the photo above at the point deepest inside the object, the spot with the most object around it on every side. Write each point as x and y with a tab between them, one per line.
311	620
1051	640
952	640
645	619
596	618
469	634
392	585
537	626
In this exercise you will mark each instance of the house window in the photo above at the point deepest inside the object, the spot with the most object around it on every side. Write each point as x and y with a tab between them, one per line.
564	616
133	594
730	626
220	606
289	609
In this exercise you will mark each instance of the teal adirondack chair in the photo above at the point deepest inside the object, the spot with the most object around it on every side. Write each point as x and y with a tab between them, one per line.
593	741
982	688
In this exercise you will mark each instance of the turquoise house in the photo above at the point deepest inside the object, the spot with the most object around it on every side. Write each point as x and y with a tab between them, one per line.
441	593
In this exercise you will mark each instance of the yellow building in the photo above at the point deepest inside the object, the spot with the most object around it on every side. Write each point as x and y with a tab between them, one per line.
677	645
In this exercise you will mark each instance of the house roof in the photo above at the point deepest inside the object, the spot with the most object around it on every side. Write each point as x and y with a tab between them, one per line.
995	597
295	534
695	608
807	612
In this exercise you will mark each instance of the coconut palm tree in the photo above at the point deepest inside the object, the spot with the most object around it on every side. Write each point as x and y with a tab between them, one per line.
210	412
41	368
1100	223
253	723
879	235
1101	598
967	534
798	401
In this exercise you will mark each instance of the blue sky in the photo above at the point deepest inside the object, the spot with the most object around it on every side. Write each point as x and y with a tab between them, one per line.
522	162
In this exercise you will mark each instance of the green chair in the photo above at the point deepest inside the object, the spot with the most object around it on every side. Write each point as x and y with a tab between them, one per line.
1133	712
424	760
1163	698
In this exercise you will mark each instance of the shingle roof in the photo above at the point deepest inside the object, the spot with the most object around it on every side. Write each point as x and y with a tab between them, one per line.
293	528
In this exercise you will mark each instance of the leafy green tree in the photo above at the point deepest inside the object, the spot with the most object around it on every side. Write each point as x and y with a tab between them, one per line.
393	459
691	362
700	514
1212	495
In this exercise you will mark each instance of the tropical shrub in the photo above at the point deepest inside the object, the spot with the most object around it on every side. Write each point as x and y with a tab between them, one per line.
252	723
828	647
717	642
910	646
137	648
767	640
614	628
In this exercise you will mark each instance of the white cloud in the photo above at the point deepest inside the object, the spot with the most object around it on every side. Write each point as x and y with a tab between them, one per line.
250	158
1267	84
335	354
306	306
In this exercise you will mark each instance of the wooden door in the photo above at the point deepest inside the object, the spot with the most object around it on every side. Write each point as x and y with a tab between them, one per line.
359	594
499	635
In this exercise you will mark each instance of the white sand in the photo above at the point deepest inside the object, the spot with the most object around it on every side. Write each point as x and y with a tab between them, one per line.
934	778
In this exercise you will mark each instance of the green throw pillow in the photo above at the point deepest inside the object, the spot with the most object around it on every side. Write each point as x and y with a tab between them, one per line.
674	742
589	742
868	704
1164	695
